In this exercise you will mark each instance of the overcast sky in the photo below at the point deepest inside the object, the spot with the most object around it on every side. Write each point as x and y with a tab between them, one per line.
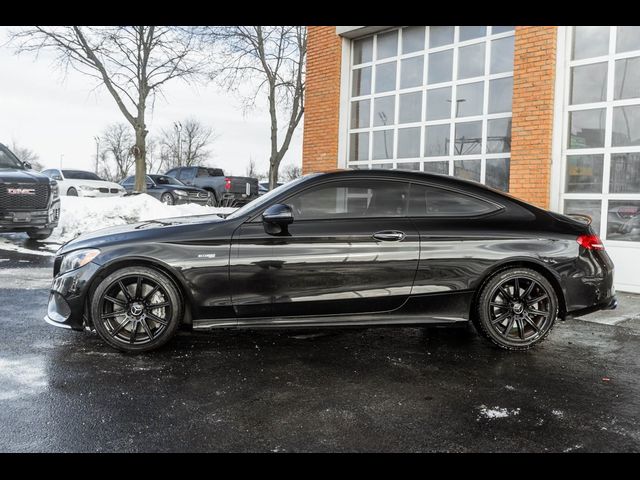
54	115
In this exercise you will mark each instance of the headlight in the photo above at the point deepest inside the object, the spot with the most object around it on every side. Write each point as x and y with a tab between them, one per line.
78	259
88	188
55	191
180	193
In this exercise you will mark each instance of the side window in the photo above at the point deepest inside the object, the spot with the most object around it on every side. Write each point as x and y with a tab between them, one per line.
173	172
203	172
352	199
187	174
128	181
427	201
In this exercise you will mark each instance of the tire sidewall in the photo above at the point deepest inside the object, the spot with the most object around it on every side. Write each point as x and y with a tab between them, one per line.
482	313
170	196
174	297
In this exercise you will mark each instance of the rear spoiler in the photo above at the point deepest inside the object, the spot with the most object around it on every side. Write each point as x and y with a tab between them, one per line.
586	219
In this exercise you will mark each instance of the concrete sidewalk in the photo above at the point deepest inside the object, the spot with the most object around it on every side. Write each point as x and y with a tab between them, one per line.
626	315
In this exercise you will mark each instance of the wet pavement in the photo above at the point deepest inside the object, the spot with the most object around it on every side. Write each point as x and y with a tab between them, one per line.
360	389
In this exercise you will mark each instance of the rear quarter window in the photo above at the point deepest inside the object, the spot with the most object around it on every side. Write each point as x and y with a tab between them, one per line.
428	201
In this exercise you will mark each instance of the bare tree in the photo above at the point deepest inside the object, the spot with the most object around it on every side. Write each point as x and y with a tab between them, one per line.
291	172
27	155
187	145
118	142
269	60
155	162
132	62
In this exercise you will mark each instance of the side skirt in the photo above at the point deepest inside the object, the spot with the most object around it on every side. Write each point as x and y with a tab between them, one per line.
323	321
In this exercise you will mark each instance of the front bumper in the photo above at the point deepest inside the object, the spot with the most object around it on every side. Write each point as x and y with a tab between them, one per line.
94	194
185	200
66	307
20	221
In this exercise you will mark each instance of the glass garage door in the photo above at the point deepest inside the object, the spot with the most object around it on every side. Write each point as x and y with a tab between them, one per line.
601	174
435	99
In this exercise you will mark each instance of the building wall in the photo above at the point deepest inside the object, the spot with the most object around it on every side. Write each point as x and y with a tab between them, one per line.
532	127
322	101
534	76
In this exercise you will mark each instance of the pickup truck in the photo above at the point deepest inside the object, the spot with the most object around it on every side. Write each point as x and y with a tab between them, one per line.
226	190
29	201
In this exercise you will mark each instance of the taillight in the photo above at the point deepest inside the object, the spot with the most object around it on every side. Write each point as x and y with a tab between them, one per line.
227	184
590	242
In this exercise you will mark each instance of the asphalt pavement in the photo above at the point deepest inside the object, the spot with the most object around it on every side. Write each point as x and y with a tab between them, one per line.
326	390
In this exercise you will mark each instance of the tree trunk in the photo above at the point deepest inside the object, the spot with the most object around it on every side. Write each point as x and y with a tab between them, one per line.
273	173
139	152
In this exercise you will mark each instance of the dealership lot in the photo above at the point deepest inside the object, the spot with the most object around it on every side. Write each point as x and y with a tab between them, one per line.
364	389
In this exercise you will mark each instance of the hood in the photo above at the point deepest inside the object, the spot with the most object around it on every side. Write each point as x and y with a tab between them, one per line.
163	230
11	175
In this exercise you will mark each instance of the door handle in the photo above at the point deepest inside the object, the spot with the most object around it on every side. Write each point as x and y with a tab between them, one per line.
389	235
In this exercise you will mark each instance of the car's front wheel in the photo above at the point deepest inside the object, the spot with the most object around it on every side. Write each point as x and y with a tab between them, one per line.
516	309
41	234
136	309
167	199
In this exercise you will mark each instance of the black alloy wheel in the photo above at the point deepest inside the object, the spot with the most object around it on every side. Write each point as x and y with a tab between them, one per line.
516	309
136	309
167	199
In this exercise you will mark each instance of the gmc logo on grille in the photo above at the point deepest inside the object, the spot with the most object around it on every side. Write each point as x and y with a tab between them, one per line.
21	191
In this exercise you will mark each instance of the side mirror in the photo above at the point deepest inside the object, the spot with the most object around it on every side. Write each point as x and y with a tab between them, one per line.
27	165
276	218
57	177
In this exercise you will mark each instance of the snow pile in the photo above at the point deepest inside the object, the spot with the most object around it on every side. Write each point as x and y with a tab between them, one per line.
497	412
80	215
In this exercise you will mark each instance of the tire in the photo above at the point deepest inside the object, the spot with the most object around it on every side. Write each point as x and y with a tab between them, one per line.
167	199
42	234
139	328
516	320
72	192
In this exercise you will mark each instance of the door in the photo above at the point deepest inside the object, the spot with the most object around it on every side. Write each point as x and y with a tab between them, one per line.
187	175
349	250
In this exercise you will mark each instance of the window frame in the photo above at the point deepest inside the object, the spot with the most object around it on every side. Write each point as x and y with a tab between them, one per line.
451	120
607	150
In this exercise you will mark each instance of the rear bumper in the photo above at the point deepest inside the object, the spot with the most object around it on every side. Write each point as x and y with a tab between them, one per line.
20	221
609	304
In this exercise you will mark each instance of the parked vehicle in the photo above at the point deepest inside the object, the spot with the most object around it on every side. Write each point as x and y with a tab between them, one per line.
227	191
80	183
170	190
263	187
28	200
362	247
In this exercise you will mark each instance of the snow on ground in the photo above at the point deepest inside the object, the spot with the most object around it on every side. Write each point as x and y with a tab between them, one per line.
80	215
497	412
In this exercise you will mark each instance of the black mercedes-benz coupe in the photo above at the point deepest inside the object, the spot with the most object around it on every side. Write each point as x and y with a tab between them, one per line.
363	247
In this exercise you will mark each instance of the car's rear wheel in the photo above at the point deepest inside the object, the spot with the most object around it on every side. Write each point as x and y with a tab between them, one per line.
516	309
167	199
136	309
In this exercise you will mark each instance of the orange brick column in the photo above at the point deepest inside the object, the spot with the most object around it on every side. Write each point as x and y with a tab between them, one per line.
533	89
322	101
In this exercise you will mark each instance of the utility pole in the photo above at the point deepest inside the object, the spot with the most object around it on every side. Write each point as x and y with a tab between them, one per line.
61	156
97	139
178	127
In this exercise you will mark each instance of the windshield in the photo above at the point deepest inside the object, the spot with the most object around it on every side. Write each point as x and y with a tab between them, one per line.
165	180
8	159
80	175
264	199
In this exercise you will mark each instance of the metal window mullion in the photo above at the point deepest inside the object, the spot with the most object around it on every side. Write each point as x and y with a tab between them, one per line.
374	69
396	116
485	111
454	99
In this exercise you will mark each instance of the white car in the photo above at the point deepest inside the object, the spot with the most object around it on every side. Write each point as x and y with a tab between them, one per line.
80	183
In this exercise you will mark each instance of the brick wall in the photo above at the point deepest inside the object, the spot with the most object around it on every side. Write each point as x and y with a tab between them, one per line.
322	102
533	89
